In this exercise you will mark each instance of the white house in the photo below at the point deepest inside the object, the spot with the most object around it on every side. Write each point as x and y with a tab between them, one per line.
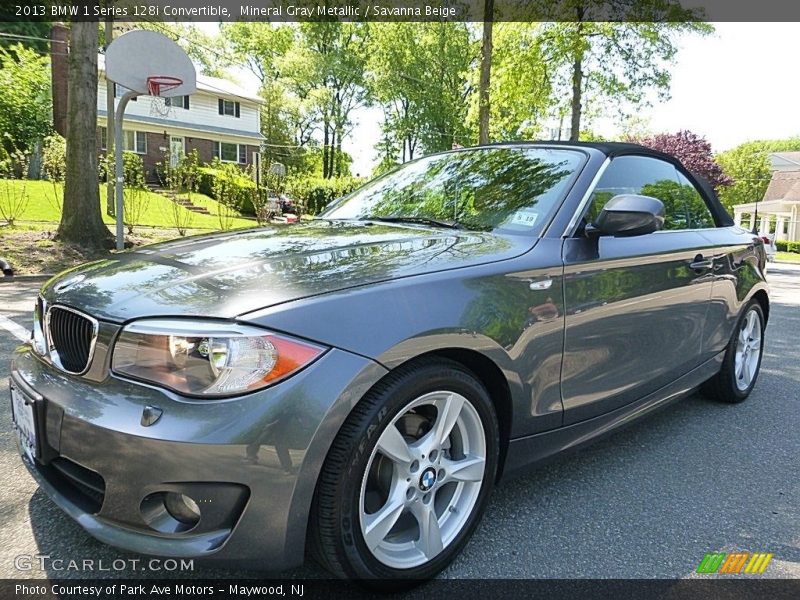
779	211
219	120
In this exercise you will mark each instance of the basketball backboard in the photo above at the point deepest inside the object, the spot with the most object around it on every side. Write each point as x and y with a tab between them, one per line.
140	54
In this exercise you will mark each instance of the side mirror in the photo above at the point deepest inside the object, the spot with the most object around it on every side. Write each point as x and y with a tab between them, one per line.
627	215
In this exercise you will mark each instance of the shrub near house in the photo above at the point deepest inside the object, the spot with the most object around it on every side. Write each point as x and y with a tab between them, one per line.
315	193
786	246
228	184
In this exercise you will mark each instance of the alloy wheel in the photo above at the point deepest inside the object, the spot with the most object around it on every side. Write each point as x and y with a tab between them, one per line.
748	350
422	480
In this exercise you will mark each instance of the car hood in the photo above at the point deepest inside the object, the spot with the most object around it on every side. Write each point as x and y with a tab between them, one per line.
228	274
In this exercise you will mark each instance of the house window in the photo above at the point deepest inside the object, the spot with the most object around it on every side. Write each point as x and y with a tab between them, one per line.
179	101
230	152
103	138
121	90
135	141
229	108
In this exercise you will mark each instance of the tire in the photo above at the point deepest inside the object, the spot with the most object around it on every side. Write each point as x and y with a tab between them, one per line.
732	384
419	483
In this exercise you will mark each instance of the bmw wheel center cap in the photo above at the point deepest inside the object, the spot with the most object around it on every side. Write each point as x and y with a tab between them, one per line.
427	479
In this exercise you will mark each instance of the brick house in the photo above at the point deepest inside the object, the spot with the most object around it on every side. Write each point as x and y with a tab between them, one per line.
219	120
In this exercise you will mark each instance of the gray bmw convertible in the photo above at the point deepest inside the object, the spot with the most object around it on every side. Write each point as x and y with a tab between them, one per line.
354	386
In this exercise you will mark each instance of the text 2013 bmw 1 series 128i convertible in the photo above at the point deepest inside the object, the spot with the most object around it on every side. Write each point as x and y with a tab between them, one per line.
357	384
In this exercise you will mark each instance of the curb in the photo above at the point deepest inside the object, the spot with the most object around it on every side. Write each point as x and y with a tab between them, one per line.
38	277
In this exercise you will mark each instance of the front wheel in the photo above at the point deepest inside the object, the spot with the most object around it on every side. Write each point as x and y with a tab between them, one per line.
408	477
742	361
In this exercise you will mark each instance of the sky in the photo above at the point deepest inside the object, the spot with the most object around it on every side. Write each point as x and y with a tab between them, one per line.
737	84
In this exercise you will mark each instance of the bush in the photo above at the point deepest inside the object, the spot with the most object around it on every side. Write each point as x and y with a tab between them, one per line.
132	169
228	185
315	193
14	198
785	246
185	175
54	166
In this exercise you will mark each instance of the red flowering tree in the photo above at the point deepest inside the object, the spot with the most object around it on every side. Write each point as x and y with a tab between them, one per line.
693	151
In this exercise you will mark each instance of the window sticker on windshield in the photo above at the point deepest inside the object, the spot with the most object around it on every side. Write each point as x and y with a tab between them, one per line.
525	218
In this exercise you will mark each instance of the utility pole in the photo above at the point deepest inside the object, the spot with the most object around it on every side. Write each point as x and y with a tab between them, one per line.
110	137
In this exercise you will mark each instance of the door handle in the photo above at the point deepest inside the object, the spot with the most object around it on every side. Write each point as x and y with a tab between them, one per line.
701	264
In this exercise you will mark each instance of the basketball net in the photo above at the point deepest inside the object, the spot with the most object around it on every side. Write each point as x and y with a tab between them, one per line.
156	85
159	107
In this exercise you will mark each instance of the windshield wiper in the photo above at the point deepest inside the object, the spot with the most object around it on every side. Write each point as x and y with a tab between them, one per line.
417	220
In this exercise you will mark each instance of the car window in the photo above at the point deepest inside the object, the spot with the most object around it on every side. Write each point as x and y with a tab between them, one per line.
684	207
513	190
697	214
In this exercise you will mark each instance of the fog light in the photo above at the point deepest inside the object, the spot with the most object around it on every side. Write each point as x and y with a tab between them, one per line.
182	508
170	512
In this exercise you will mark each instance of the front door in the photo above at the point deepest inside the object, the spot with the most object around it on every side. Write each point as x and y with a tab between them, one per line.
635	306
176	150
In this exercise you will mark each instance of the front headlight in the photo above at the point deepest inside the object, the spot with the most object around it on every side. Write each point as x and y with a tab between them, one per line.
208	358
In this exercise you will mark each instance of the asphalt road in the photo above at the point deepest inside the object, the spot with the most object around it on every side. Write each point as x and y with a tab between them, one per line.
647	502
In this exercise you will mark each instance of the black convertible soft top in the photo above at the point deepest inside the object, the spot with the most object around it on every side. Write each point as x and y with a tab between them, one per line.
612	149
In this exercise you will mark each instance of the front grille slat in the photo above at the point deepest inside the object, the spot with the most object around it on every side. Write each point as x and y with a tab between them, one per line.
71	335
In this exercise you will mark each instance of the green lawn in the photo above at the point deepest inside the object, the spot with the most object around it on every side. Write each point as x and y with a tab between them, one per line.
790	257
159	212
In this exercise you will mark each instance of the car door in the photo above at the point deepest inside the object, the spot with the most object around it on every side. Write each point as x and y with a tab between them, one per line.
635	306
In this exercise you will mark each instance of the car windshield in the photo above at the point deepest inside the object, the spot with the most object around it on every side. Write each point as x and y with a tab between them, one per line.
513	189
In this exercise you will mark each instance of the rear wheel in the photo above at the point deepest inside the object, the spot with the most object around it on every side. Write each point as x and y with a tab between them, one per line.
408	477
742	361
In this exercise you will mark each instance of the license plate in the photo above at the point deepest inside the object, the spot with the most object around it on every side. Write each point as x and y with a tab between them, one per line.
24	421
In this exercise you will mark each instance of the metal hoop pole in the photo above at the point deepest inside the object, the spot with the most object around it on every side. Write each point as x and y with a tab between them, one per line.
119	174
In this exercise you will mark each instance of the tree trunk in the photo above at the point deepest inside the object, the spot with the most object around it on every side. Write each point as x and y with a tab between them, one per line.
577	76
332	153
81	220
326	132
486	73
110	188
577	93
338	153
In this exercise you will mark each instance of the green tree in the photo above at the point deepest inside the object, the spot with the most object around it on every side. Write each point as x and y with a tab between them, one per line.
419	73
749	167
259	46
520	88
25	115
36	32
594	60
287	121
324	68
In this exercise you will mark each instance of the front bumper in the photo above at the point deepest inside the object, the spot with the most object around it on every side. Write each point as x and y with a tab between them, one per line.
251	462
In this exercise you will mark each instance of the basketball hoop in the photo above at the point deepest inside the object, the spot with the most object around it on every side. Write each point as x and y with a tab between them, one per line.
157	85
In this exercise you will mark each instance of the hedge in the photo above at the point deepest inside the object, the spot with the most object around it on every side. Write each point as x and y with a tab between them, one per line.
786	246
315	193
239	187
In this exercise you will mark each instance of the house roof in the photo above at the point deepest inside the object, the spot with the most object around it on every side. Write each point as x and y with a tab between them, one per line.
212	85
784	161
784	185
